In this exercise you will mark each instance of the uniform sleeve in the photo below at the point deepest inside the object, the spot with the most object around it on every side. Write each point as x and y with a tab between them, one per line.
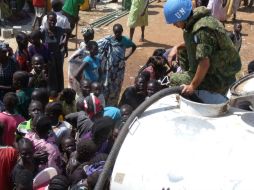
127	42
206	43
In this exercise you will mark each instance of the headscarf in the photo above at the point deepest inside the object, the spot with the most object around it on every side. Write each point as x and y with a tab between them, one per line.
92	105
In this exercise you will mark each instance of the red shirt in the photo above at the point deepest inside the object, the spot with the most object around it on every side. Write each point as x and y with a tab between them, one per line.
39	3
8	158
11	123
23	59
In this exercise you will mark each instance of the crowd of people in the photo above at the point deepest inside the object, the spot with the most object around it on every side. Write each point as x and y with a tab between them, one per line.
65	134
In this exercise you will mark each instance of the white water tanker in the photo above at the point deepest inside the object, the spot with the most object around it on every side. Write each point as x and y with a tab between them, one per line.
173	143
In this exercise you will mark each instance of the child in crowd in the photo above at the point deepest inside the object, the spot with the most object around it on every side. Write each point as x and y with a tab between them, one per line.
126	111
24	180
92	106
39	77
59	182
41	95
40	138
86	150
20	83
35	108
67	99
68	146
156	67
153	86
100	134
21	54
96	89
90	68
76	59
85	88
26	161
135	95
236	36
8	158
61	129
251	67
37	47
9	118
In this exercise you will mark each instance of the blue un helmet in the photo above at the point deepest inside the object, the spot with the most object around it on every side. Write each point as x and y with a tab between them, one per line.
177	10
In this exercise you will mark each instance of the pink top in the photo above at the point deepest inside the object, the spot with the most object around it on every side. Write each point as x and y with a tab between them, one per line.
43	145
11	122
150	69
217	10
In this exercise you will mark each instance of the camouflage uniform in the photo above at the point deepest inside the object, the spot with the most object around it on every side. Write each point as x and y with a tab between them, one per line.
205	36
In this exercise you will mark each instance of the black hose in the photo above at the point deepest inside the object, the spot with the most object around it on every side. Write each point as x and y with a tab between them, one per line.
108	167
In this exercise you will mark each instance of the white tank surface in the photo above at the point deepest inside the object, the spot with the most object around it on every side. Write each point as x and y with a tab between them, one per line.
172	147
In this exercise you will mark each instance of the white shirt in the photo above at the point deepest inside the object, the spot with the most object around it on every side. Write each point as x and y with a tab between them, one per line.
62	21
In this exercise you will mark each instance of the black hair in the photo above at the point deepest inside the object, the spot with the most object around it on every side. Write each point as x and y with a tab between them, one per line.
41	123
35	34
21	36
98	158
68	94
22	77
41	95
85	81
54	108
89	32
101	128
25	141
34	102
118	26
159	52
91	45
24	178
51	13
86	149
155	82
38	56
126	106
145	75
57	5
251	67
53	93
10	100
59	182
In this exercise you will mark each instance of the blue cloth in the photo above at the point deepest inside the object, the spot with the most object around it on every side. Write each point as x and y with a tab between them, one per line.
91	71
126	42
112	112
112	54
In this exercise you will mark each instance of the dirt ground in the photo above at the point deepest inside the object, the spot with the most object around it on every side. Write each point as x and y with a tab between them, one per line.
160	35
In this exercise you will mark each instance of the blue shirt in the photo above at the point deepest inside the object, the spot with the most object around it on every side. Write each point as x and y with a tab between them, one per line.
112	112
91	71
126	42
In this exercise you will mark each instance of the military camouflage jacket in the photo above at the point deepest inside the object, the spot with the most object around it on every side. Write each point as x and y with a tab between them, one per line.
204	37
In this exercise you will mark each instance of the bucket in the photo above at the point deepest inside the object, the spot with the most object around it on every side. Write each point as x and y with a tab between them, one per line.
213	104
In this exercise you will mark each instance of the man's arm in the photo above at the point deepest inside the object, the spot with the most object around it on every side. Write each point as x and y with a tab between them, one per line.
199	76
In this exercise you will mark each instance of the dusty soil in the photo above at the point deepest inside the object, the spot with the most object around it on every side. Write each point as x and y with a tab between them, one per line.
158	34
